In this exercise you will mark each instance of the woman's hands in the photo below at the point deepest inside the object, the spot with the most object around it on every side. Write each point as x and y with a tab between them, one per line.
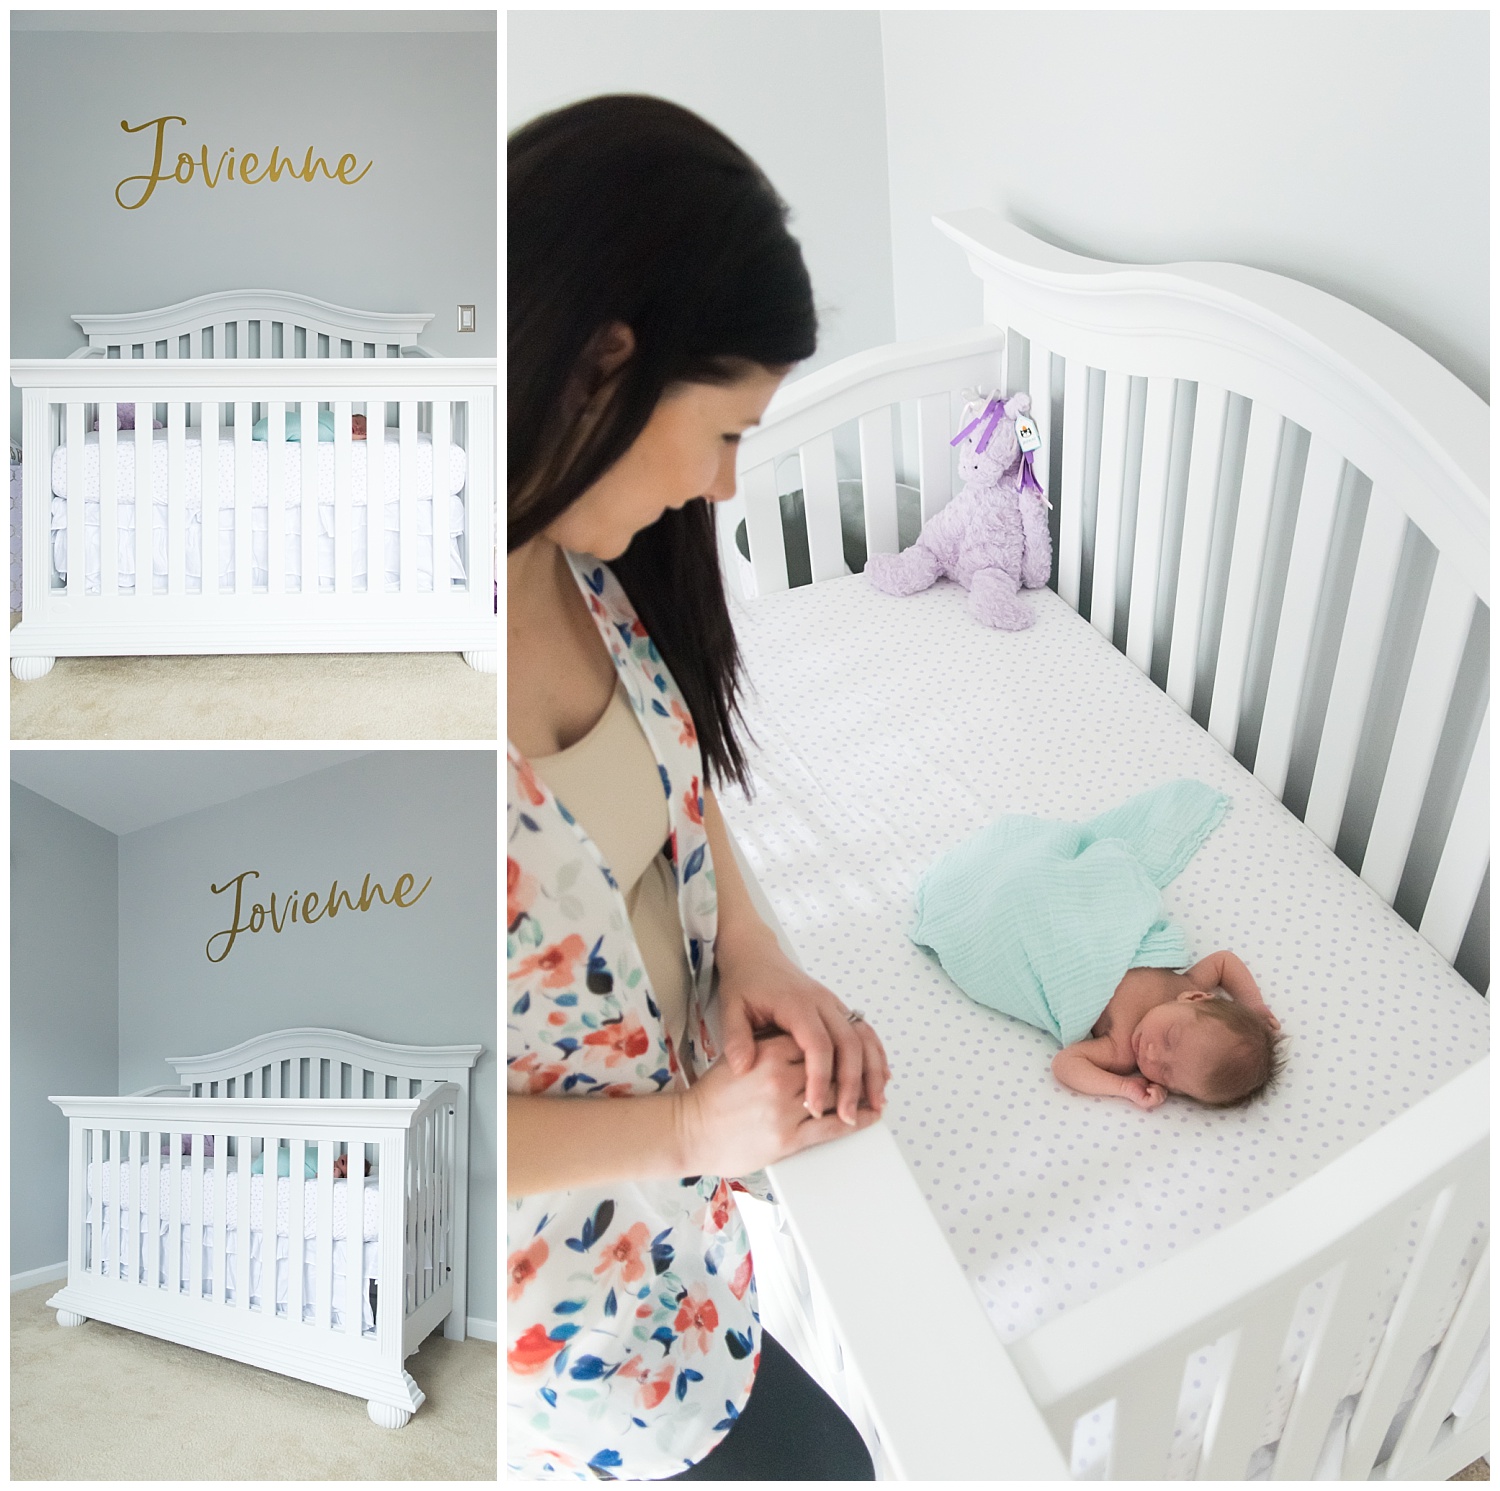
763	990
732	1123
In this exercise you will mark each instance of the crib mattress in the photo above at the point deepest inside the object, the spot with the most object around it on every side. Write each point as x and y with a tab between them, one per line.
889	729
116	1181
192	449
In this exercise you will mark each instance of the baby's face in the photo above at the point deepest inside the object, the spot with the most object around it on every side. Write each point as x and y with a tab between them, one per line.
1179	1046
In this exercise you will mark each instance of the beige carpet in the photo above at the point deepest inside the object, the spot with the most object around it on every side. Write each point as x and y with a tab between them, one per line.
288	696
99	1403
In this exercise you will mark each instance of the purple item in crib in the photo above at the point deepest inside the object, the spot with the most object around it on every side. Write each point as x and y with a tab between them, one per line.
125	419
187	1145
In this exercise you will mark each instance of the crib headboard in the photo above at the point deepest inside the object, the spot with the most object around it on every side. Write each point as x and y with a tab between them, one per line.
253	323
313	1063
1273	504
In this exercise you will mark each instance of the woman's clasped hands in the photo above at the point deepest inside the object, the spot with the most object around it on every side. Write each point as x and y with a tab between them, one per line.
795	1070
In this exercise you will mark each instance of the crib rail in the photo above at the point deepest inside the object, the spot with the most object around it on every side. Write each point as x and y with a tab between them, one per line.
390	586
1131	1348
1274	506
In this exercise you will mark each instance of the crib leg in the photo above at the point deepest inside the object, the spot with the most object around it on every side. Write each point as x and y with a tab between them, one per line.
68	1317
483	662
29	669
384	1415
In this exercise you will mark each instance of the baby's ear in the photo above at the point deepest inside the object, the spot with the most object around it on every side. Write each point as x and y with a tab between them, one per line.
1192	995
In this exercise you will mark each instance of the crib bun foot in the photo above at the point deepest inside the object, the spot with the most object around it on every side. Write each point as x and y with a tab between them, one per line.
382	1414
29	669
68	1317
483	662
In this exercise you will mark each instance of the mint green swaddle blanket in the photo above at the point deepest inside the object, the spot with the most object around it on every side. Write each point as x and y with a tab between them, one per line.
1041	919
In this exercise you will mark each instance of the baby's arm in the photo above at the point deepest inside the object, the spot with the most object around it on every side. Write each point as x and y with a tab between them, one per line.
1222	970
1080	1067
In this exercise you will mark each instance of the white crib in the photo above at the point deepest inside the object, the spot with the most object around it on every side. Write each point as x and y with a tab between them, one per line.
1275	510
197	1270
298	574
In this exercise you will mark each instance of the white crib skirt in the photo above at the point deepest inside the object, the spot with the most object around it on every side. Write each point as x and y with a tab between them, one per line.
193	556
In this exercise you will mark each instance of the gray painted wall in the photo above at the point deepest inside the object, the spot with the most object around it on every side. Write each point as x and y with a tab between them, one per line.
424	974
63	1027
1348	149
418	233
799	91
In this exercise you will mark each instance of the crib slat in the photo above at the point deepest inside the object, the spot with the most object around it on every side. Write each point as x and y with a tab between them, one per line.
243	523
442	473
820	498
1145	1410
1151	511
176	494
430	1208
196	1219
93	1148
1210	417
1432	1270
763	528
311	516
877	465
174	1214
73	435
1354	672
1075	450
210	435
1454	1358
156	1268
354	1239
343	498
244	1154
1330	1361
408	505
1111	500
1039	386
1434	669
1299	608
77	1198
375	496
934	455
323	1248
220	1221
1251	526
109	497
1465	856
1240	1401
276	485
296	1227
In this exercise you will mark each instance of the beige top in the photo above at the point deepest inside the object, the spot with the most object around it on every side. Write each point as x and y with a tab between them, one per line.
610	783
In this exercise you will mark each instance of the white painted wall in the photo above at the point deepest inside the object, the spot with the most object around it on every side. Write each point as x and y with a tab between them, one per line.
798	91
1348	149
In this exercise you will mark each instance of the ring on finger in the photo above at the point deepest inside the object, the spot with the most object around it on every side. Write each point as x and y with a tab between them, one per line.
854	1016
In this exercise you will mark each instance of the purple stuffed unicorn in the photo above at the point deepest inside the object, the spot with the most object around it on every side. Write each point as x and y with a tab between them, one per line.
992	537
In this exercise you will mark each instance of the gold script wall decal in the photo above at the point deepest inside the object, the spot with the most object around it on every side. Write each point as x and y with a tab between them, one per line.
250	173
313	908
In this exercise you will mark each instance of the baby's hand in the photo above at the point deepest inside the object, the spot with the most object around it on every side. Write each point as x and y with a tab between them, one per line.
1145	1095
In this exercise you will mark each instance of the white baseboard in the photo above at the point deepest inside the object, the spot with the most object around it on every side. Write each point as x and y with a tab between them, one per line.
36	1276
483	1330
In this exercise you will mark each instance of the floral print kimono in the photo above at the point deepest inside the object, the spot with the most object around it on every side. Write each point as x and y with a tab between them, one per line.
632	1330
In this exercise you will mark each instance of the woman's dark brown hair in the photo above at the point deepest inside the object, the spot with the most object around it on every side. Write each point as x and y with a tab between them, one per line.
631	209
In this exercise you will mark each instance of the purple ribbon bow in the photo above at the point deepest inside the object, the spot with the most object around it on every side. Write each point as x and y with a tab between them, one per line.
994	411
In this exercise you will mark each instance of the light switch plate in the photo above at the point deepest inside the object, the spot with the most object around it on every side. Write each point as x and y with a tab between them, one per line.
466	318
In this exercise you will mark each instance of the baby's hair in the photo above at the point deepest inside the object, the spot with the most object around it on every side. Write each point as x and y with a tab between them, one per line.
1254	1063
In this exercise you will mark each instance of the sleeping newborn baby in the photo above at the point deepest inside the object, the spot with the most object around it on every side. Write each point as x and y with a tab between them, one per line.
1167	1032
1060	925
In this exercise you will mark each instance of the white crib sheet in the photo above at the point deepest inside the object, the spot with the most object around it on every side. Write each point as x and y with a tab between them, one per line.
889	729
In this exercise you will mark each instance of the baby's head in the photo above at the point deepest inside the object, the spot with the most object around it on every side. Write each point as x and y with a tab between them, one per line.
1211	1049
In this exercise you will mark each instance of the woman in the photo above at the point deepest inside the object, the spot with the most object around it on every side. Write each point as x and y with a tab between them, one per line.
656	302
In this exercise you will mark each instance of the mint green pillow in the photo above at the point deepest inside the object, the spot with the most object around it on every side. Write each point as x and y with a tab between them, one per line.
294	425
284	1163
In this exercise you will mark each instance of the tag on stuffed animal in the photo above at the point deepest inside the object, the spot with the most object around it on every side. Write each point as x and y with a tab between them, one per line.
1027	437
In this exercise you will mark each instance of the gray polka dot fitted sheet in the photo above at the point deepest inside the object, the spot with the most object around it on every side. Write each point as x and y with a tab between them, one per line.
889	729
